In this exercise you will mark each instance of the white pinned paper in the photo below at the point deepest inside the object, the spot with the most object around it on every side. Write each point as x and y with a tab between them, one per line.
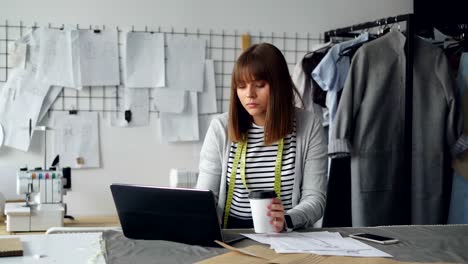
185	63
207	98
144	60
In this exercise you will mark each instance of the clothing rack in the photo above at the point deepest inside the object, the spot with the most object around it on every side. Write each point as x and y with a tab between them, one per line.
409	51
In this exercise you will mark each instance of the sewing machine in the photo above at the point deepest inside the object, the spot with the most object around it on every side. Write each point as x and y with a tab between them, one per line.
44	190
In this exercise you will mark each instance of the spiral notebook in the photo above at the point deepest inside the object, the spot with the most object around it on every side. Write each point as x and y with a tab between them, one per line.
10	247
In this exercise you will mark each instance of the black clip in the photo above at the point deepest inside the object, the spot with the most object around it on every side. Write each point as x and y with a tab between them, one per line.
128	116
97	31
30	127
73	112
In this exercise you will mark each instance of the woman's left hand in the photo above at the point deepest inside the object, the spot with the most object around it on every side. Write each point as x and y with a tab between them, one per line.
276	212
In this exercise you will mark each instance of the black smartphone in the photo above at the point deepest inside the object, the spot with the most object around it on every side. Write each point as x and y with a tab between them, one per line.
375	238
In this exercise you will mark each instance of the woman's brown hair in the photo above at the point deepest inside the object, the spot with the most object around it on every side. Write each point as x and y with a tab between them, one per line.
263	62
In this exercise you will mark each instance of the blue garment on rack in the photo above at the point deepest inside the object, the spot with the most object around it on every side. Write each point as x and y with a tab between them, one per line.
458	213
331	72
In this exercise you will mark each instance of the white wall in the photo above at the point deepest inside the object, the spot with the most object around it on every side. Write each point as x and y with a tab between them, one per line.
135	155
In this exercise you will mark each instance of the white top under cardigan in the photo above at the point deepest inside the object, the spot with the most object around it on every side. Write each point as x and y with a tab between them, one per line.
309	189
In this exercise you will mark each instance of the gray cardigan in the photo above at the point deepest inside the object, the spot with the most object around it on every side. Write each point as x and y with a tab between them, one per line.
309	190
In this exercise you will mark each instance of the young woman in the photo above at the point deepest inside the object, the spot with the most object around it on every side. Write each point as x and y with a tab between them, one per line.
278	147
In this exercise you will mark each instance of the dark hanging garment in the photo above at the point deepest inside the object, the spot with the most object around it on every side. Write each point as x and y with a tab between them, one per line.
309	63
338	206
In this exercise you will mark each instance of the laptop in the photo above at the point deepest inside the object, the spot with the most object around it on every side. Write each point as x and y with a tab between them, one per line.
175	214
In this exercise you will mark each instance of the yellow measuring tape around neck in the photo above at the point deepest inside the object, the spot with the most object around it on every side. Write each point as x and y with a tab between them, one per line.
241	153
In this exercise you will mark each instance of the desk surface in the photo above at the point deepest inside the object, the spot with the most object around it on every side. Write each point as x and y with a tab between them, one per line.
418	243
81	221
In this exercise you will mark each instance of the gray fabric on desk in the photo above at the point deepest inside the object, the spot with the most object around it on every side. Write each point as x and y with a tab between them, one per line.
120	250
417	243
448	243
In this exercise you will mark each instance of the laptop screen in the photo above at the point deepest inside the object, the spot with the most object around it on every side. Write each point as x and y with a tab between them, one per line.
156	213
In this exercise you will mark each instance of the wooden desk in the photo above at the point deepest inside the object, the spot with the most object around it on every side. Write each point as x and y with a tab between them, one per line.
81	221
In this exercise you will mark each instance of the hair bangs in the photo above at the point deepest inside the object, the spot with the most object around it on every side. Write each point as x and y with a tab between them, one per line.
250	68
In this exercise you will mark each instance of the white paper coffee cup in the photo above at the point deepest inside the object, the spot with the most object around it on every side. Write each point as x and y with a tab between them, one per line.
259	201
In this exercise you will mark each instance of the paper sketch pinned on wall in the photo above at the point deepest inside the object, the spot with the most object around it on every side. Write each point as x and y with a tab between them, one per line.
55	64
144	60
32	41
76	139
20	103
17	57
133	108
181	127
169	101
185	63
49	100
207	98
22	96
99	57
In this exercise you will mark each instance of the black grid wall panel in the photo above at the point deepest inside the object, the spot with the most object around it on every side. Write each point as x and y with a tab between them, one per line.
223	47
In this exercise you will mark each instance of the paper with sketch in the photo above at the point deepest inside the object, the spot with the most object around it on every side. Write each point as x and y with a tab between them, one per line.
49	100
144	60
207	98
321	243
99	58
183	126
55	64
20	103
354	248
169	100
137	102
185	63
32	40
76	139
17	57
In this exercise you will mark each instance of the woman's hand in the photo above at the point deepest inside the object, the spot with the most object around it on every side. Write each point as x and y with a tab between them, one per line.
276	212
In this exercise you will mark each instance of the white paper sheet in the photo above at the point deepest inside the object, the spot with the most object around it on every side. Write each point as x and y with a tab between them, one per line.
1	135
185	63
321	243
76	62
17	57
135	100
99	58
22	96
49	100
207	98
20	103
355	248
55	57
144	60
169	100
77	136
32	40
181	127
